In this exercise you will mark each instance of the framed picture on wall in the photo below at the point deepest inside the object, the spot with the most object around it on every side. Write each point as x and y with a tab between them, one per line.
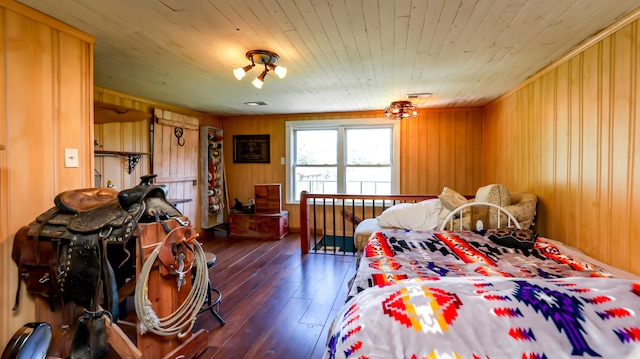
251	149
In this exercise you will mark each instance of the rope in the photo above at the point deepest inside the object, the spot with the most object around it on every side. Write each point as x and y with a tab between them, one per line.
181	321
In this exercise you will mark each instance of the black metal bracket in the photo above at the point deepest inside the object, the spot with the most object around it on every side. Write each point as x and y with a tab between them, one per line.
133	160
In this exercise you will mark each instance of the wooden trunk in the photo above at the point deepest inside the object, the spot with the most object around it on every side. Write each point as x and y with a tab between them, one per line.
261	226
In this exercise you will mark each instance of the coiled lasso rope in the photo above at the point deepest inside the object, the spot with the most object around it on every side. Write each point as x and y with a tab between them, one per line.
181	321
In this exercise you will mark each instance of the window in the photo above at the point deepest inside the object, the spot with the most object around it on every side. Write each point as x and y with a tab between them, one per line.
341	156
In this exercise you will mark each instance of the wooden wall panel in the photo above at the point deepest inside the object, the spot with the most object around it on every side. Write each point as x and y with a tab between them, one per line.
574	114
241	177
588	176
46	73
74	59
125	137
574	130
634	162
5	263
438	148
134	136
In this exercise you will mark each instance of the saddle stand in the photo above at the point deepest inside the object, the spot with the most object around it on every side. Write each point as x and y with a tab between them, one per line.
62	258
165	297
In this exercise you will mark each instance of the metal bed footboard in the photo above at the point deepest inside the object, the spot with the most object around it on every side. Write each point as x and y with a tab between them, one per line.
335	217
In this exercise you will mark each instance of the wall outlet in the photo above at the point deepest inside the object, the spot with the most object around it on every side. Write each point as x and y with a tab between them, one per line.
71	157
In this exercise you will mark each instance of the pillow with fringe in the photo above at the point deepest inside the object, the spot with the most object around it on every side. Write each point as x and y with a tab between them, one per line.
451	199
514	238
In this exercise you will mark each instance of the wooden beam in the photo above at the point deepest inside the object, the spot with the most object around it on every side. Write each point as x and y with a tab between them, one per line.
120	342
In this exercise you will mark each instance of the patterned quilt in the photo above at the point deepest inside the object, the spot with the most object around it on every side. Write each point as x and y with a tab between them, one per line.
459	295
395	255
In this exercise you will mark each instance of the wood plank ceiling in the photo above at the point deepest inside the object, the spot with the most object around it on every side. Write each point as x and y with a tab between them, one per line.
342	55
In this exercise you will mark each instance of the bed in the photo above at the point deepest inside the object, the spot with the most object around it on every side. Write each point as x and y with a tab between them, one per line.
498	293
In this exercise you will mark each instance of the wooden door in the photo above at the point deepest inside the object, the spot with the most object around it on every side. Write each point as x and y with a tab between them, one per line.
175	158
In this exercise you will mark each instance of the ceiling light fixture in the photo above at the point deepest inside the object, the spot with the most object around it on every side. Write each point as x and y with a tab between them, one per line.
399	110
266	58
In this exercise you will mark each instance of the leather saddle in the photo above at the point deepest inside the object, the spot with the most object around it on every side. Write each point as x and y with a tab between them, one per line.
104	211
76	233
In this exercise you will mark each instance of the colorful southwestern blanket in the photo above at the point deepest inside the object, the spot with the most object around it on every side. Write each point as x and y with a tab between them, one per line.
490	318
459	295
394	255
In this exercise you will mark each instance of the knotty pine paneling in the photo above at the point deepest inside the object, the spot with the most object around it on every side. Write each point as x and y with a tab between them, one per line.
46	75
438	148
571	137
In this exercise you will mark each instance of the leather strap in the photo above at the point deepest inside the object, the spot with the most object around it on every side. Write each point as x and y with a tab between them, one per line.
37	233
17	302
108	284
90	337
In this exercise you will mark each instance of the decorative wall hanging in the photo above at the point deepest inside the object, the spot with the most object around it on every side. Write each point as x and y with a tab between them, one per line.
251	149
179	132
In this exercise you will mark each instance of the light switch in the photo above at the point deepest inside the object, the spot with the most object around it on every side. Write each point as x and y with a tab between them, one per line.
71	157
282	161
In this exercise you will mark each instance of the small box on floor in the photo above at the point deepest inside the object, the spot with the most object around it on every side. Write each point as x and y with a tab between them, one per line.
268	198
260	225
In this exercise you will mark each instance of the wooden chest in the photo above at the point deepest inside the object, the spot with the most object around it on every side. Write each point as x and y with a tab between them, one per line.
260	225
268	198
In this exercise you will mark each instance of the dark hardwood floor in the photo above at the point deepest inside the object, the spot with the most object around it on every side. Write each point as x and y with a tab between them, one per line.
277	303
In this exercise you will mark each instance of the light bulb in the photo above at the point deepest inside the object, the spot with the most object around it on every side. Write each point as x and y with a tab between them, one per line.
280	71
239	73
257	82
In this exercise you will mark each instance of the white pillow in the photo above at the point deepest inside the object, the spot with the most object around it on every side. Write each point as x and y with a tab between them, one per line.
422	215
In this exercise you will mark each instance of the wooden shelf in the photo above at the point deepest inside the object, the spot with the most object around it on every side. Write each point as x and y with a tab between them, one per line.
118	153
213	194
106	113
133	158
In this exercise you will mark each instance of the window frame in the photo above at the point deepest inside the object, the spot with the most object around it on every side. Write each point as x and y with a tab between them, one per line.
292	126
